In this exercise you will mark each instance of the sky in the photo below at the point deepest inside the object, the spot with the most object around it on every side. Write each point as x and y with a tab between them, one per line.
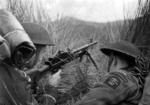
92	10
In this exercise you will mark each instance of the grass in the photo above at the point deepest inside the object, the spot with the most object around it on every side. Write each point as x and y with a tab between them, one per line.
77	77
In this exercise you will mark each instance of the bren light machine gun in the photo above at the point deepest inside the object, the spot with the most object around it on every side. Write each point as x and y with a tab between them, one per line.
55	63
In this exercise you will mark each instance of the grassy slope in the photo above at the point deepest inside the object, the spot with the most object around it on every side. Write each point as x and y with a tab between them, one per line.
72	33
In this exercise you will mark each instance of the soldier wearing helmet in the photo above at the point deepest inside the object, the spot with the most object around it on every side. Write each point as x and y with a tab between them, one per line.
15	84
122	84
145	99
16	49
122	49
145	62
40	37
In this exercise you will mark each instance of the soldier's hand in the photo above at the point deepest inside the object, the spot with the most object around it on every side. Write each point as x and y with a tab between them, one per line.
55	78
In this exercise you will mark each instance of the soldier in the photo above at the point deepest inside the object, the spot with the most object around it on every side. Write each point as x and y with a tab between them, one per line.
123	84
15	85
41	39
145	99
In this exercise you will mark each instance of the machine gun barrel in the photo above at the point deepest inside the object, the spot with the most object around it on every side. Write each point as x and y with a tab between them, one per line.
85	47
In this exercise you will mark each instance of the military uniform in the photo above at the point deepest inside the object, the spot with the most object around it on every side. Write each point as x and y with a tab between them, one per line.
145	100
121	86
115	88
15	88
15	85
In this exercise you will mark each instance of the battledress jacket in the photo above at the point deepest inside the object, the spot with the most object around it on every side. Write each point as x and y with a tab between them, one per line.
15	87
115	88
145	100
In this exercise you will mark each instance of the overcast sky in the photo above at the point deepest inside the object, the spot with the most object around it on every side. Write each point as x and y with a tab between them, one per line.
92	10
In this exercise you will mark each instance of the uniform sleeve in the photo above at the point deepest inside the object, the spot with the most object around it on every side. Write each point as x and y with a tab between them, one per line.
113	89
145	99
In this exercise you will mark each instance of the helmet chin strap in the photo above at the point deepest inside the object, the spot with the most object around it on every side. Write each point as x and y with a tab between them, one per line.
111	58
116	63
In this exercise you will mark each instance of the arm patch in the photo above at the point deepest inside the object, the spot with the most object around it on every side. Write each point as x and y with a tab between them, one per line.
120	75
112	81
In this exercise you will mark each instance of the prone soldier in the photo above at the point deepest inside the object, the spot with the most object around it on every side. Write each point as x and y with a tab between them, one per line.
123	84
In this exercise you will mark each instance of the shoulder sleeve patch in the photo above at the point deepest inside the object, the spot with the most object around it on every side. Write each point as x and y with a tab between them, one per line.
112	81
120	75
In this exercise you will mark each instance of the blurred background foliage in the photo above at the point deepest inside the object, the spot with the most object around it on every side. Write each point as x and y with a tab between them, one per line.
70	33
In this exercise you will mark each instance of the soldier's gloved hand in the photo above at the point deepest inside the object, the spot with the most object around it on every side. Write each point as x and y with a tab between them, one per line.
55	79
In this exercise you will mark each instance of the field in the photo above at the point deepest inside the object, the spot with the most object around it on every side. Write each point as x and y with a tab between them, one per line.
71	33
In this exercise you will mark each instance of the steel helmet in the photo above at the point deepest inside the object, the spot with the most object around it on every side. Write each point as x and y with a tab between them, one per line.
124	47
38	34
